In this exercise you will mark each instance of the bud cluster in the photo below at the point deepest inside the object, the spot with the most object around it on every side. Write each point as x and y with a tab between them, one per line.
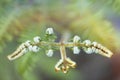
64	63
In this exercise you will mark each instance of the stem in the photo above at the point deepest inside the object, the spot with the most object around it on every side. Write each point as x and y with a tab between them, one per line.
69	44
63	51
62	46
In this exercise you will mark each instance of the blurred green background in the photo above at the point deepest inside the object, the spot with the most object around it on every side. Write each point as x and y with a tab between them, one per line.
96	20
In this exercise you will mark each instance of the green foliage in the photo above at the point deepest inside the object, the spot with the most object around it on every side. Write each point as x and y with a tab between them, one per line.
113	5
29	19
6	32
94	28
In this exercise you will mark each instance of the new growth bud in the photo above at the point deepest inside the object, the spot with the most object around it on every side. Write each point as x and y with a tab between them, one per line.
37	39
49	53
49	31
76	39
76	50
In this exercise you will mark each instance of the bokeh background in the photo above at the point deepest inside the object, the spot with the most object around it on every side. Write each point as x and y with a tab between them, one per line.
96	20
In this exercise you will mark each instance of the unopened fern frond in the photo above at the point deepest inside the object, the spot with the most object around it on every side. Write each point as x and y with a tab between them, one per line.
64	63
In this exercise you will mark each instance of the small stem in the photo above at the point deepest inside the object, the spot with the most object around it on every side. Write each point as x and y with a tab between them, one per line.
63	51
69	44
62	46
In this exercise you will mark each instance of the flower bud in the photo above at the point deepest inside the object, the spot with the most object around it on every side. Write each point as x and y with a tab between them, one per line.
76	50
36	39
35	48
49	31
87	42
50	53
76	39
27	43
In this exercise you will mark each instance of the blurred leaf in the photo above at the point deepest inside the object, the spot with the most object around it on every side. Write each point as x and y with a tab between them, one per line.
96	28
113	5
